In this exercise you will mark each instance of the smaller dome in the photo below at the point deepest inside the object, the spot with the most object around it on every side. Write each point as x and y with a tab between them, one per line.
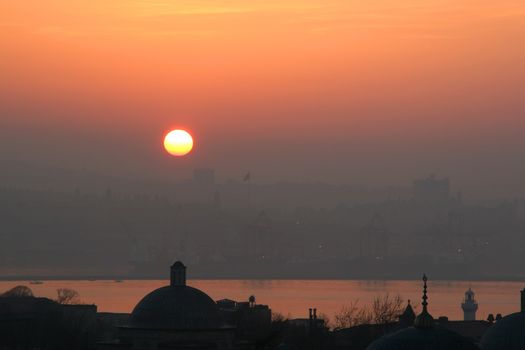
178	263
414	338
506	334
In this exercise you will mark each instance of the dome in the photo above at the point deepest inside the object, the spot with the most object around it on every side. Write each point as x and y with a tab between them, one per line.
508	333
413	338
177	306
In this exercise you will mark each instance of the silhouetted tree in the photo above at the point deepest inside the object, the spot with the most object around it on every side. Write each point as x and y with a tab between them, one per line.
351	315
326	319
19	292
278	317
66	296
384	309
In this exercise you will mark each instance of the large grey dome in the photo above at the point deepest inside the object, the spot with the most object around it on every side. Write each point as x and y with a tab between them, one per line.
507	334
412	338
176	307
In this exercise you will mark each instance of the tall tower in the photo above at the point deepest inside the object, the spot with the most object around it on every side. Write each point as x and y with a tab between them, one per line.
469	306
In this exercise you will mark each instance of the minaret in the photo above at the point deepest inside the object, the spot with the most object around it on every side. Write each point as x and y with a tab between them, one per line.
424	320
178	274
469	306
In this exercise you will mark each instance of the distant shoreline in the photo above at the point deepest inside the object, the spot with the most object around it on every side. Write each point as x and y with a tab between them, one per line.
121	278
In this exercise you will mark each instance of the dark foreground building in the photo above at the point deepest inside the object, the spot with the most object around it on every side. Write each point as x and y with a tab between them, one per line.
424	335
27	322
508	333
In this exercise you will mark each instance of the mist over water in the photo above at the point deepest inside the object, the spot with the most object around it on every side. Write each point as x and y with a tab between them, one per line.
293	298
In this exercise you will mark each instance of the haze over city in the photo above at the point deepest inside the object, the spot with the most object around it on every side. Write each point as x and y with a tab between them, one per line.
337	91
262	175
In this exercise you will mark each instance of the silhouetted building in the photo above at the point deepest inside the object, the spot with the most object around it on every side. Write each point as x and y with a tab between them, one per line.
469	306
40	323
252	321
508	333
175	317
310	323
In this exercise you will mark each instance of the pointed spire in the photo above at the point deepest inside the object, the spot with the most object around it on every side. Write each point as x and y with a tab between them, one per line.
424	320
425	297
406	319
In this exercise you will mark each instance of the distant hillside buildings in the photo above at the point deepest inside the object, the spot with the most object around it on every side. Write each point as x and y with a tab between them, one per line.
432	190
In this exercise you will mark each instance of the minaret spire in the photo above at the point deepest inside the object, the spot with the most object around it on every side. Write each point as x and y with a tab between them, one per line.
425	297
424	319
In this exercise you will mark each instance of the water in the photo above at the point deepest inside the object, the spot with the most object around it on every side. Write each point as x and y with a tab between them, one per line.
294	297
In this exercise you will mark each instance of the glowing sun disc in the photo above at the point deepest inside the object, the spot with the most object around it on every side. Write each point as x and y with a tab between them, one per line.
178	142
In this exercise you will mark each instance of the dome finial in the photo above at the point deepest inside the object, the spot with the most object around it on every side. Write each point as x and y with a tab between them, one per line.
424	319
178	274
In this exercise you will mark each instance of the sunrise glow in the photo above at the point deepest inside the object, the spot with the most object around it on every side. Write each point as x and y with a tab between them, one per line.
178	142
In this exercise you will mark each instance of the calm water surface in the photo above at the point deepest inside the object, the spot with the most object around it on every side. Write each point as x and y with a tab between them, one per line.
294	297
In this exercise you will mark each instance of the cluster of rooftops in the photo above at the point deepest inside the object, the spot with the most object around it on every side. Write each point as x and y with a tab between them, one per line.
179	306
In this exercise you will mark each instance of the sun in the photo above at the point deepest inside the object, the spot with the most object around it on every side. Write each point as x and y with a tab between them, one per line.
178	142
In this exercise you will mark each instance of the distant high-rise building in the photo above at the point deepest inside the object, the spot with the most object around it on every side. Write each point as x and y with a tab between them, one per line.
204	176
432	190
469	306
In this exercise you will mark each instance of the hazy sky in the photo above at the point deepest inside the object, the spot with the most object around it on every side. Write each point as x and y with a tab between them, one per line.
376	91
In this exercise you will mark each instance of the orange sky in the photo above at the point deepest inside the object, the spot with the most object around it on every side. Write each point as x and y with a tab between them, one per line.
346	90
